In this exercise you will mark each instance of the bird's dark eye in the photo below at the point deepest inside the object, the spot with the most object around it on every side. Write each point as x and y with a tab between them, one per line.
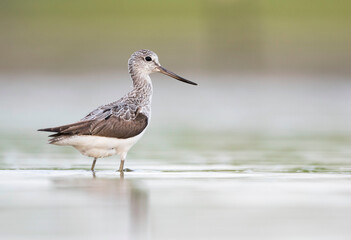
148	59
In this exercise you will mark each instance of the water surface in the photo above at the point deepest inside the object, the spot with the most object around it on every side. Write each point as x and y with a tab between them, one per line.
242	158
244	187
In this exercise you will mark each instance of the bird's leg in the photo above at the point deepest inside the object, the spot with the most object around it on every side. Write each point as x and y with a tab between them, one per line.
121	165
93	165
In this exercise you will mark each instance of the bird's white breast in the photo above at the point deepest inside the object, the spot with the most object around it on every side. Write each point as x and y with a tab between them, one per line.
98	147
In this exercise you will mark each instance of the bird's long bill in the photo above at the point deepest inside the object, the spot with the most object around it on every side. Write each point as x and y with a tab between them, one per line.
175	76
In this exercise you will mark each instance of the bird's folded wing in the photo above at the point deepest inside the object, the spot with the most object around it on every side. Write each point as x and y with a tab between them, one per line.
120	128
110	126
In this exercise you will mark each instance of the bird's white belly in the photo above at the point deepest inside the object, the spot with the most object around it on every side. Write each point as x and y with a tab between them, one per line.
98	147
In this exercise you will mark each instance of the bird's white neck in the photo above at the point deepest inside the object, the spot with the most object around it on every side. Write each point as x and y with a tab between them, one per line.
142	87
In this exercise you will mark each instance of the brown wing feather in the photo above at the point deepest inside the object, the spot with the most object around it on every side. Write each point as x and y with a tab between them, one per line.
111	126
120	128
64	127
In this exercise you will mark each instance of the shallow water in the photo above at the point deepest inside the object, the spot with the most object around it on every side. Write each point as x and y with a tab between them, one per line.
266	160
244	187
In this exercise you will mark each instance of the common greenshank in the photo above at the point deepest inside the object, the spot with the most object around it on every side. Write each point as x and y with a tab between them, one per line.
114	128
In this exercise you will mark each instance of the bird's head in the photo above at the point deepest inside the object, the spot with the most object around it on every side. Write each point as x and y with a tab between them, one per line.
145	62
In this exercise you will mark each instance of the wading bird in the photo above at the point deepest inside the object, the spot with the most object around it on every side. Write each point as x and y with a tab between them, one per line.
114	128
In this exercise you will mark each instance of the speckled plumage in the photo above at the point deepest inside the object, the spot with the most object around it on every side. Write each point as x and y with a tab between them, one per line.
137	100
114	128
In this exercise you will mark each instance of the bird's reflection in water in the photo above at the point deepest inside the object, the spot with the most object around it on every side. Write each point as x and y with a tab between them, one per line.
116	206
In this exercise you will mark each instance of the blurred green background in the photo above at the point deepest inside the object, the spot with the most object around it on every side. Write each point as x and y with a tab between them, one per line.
261	65
291	36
